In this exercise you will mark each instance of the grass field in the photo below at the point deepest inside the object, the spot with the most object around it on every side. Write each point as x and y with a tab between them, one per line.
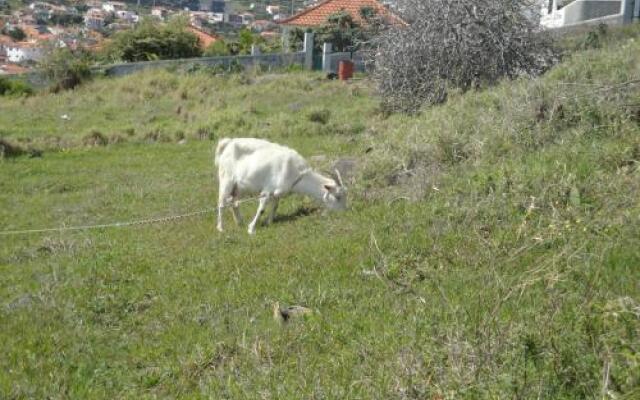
491	249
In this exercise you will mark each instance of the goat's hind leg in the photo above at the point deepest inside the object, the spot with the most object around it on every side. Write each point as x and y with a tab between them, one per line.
224	195
236	213
235	206
272	215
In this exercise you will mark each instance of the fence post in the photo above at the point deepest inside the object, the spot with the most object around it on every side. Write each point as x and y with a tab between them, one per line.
627	10
326	57
255	50
308	50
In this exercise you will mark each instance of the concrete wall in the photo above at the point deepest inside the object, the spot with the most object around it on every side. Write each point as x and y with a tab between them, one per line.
579	11
587	12
264	60
268	61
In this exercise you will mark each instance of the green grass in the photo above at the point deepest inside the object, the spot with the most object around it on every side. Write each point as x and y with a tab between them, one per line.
165	106
491	249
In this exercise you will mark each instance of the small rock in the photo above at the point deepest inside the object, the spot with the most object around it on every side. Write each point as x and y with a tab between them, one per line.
23	301
286	313
35	153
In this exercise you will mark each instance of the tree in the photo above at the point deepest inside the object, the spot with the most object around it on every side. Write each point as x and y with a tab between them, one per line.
15	33
217	48
14	88
151	40
66	68
65	19
341	31
461	44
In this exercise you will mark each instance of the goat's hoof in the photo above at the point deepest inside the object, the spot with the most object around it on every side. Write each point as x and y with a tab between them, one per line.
252	231
219	228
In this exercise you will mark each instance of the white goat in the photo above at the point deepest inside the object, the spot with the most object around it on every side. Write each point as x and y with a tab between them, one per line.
247	165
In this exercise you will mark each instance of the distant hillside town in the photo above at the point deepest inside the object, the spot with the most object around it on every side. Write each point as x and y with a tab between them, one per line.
27	32
31	29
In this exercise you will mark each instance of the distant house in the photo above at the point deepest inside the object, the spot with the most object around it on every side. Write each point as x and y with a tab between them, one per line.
113	6
234	19
119	26
94	3
247	18
24	51
566	13
197	18
218	6
128	16
317	14
160	12
218	17
5	41
39	5
95	18
273	10
263	25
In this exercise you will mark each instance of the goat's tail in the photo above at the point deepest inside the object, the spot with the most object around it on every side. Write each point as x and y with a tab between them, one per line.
222	143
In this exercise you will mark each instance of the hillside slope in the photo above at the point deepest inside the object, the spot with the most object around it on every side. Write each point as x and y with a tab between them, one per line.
492	248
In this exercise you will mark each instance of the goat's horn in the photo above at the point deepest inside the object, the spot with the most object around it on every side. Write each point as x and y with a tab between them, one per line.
339	178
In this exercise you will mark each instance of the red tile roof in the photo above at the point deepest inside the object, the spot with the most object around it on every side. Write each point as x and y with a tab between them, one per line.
316	15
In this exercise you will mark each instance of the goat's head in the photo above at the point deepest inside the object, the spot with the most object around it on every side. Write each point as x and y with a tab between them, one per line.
335	195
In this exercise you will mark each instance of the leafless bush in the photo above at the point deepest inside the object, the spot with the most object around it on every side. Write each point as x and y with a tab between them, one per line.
462	44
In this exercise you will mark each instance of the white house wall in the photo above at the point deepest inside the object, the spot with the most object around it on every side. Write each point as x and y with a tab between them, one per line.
16	54
582	11
579	10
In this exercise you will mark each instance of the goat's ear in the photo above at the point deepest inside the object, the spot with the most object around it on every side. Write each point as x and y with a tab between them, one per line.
329	188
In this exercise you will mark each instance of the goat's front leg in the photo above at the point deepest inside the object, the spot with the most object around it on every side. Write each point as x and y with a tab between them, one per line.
264	199
275	202
236	213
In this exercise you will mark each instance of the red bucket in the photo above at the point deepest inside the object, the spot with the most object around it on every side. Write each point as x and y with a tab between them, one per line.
345	70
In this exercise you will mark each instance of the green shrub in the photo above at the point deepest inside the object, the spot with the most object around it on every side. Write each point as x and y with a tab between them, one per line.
151	40
594	38
320	116
66	69
14	88
15	33
217	48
